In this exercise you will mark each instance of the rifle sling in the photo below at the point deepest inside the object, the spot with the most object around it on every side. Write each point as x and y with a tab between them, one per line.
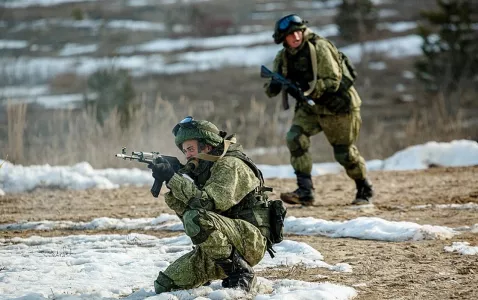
209	157
313	58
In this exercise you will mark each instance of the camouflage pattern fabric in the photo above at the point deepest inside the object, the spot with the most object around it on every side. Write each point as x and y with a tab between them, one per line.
203	130
341	132
341	129
295	64
230	181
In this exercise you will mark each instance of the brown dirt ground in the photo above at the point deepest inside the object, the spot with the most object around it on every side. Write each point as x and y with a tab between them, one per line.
381	270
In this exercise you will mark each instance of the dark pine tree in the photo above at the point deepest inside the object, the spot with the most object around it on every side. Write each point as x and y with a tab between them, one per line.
450	45
356	18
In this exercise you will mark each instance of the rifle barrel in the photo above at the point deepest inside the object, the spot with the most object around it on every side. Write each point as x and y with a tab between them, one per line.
124	156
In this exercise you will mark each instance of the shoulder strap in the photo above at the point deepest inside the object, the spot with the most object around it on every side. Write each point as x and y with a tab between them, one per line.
283	63
313	61
242	156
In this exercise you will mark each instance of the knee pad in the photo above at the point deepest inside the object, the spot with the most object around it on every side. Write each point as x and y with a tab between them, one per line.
163	284
193	228
297	141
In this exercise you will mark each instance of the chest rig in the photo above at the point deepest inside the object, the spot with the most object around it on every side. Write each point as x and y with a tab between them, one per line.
255	208
301	67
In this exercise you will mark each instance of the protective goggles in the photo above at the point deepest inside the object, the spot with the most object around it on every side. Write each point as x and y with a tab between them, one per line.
187	122
286	21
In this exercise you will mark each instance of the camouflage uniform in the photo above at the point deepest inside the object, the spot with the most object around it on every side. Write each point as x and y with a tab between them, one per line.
223	244
336	113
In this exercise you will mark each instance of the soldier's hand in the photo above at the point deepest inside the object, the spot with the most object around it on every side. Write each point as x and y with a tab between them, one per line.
162	170
337	105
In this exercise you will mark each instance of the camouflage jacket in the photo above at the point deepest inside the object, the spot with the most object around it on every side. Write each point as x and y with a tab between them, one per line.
296	65
229	181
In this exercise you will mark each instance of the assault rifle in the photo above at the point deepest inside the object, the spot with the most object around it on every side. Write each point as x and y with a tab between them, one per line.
151	158
290	87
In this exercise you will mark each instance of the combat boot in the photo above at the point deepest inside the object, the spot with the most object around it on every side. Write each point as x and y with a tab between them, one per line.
239	273
364	192
304	194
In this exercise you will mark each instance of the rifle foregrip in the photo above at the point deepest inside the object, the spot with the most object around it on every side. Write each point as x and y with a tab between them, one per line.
156	188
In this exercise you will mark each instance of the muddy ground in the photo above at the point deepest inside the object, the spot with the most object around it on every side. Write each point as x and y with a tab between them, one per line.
381	270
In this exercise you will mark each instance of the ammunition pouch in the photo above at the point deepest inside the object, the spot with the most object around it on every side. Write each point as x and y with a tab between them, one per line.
277	212
267	215
255	210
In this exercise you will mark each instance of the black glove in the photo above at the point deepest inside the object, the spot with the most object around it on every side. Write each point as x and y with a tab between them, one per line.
275	87
162	170
338	105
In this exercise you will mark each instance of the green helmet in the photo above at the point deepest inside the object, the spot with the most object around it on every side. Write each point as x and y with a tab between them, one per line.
286	25
190	129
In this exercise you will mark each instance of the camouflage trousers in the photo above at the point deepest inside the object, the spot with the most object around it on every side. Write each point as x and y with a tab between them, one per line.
199	266
341	131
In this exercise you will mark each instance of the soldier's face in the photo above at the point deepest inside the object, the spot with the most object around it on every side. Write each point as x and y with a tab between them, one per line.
294	39
191	148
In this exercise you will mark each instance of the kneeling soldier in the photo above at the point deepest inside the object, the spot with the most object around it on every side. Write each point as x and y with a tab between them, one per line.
224	210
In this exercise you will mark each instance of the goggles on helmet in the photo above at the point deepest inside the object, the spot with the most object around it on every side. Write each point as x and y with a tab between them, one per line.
285	22
187	122
190	123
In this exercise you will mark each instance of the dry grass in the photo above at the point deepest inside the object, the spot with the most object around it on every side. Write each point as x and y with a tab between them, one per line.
68	137
427	123
16	127
231	97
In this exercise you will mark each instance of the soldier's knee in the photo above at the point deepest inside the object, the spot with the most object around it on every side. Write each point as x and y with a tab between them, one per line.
163	284
297	141
193	226
343	154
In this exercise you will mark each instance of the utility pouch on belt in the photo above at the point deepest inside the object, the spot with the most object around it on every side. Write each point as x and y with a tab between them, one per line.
339	101
277	213
253	210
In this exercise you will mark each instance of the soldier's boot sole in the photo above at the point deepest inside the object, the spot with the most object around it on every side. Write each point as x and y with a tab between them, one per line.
359	201
292	198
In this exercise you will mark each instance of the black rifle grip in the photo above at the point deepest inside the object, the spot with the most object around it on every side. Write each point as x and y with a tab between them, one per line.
156	188
285	100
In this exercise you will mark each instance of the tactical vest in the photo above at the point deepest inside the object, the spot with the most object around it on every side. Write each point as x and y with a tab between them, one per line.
255	208
299	68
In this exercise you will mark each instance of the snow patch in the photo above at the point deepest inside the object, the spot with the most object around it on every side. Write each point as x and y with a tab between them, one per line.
462	248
